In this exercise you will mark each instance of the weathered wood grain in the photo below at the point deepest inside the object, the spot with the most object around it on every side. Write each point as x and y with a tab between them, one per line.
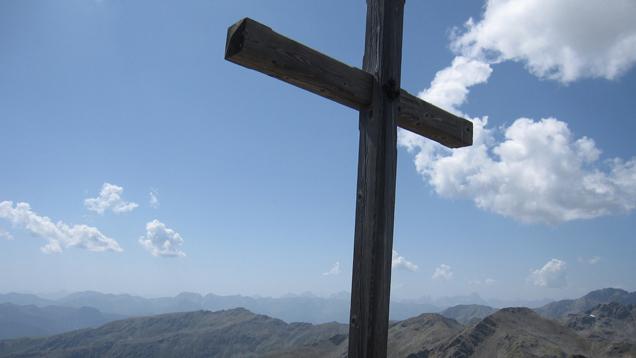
377	162
434	123
258	47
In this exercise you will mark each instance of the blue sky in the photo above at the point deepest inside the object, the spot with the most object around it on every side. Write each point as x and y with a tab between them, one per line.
135	159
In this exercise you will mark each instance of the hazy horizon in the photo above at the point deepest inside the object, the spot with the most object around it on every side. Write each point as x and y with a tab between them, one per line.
56	296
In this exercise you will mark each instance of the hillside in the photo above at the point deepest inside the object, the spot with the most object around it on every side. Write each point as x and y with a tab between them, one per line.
405	339
516	332
233	333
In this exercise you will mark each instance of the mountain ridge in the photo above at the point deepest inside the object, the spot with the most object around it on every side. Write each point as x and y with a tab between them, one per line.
236	333
607	330
30	320
293	308
509	332
562	308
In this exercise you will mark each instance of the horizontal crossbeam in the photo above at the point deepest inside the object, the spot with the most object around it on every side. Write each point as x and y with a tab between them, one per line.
258	47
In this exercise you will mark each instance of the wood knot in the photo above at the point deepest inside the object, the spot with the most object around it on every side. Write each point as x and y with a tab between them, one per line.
391	89
354	321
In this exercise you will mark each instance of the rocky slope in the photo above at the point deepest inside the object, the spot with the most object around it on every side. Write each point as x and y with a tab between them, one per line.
510	332
564	307
515	332
611	322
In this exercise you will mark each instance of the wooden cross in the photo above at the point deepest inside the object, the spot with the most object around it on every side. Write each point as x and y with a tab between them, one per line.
375	92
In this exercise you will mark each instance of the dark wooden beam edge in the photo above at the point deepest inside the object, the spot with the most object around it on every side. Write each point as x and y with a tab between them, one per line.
425	119
258	47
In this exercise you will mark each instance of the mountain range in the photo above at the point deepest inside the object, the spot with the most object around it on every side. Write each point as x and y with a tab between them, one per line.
600	323
306	307
606	330
30	320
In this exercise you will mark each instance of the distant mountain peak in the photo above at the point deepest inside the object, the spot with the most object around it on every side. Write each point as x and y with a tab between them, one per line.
464	313
194	297
607	294
563	308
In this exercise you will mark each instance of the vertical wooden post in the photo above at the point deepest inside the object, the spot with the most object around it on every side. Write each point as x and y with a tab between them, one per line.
373	241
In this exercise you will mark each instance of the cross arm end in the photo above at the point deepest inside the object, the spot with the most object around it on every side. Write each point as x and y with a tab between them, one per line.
425	119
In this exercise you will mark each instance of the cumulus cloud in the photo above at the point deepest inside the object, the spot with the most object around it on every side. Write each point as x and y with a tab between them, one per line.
161	241
60	235
335	270
109	198
154	203
443	273
591	261
538	173
490	282
552	275
400	263
556	39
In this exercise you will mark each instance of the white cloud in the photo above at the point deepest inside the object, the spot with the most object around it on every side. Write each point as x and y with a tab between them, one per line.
538	173
400	263
154	203
59	235
591	261
335	270
109	198
450	86
161	241
488	282
5	234
443	273
552	275
557	39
